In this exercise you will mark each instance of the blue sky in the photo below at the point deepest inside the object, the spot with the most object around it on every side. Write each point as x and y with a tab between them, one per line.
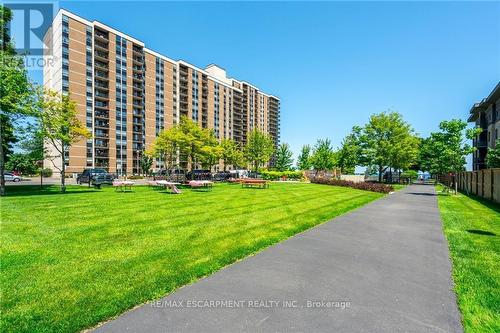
332	64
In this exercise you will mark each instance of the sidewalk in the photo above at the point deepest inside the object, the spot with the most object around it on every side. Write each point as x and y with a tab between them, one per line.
381	268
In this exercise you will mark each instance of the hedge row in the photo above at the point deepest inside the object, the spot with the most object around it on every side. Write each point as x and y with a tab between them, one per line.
367	186
278	175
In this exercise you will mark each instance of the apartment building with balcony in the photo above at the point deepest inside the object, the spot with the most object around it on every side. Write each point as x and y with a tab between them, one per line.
485	116
126	94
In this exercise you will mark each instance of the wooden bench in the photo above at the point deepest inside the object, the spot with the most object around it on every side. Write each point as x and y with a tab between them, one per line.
258	183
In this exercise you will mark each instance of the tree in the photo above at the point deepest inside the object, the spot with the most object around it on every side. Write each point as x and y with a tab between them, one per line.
31	151
304	159
166	146
191	140
259	149
323	156
387	141
231	154
493	156
283	158
16	91
146	162
348	154
60	127
22	163
444	152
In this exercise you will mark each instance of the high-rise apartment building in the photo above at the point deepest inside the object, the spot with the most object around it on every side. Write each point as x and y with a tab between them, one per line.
126	94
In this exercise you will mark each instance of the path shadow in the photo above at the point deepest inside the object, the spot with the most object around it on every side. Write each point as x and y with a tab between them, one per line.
481	232
424	194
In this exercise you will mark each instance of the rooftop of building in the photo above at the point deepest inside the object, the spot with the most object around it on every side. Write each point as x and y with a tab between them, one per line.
484	103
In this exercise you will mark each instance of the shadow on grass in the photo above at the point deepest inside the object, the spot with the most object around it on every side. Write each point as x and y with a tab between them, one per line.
481	232
485	202
32	190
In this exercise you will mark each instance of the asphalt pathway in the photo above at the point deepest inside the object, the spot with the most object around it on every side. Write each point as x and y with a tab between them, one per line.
382	268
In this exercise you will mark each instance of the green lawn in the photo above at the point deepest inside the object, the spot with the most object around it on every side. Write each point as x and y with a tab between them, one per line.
70	261
472	227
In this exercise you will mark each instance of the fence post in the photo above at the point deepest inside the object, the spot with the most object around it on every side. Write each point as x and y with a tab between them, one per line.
492	182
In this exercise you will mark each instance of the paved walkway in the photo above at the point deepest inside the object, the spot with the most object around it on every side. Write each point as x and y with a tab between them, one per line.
383	267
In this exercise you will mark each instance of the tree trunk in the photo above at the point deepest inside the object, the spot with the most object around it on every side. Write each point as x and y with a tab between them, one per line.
2	164
380	174
63	170
456	183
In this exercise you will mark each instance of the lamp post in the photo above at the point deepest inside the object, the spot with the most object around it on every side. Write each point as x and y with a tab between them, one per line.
40	165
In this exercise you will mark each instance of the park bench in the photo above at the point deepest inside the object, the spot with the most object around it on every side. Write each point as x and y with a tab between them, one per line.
258	183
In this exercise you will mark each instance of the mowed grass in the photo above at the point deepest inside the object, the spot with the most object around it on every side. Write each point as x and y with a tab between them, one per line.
472	227
69	261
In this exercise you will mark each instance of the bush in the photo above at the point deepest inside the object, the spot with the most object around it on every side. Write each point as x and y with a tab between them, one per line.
367	186
278	175
409	175
135	177
46	172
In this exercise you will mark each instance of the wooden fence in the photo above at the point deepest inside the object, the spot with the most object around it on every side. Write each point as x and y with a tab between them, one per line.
483	183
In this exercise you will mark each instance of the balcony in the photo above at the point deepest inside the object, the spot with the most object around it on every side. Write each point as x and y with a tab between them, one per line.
100	95
101	124
101	114
100	46
99	55
101	65
102	105
101	86
137	60
101	75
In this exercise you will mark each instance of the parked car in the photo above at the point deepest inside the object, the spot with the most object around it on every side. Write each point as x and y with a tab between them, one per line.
199	175
176	175
9	176
222	176
95	177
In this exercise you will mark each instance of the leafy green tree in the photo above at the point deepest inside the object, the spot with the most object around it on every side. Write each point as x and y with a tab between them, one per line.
146	162
16	91
22	163
8	136
283	157
445	151
191	141
210	152
166	146
259	149
304	159
323	156
493	156
348	154
387	141
231	153
60	127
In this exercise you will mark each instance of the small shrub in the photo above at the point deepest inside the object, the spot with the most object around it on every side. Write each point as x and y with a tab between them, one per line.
367	186
284	175
46	172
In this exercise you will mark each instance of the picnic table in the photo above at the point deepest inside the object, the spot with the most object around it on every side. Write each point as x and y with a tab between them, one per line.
204	184
169	186
123	185
253	182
